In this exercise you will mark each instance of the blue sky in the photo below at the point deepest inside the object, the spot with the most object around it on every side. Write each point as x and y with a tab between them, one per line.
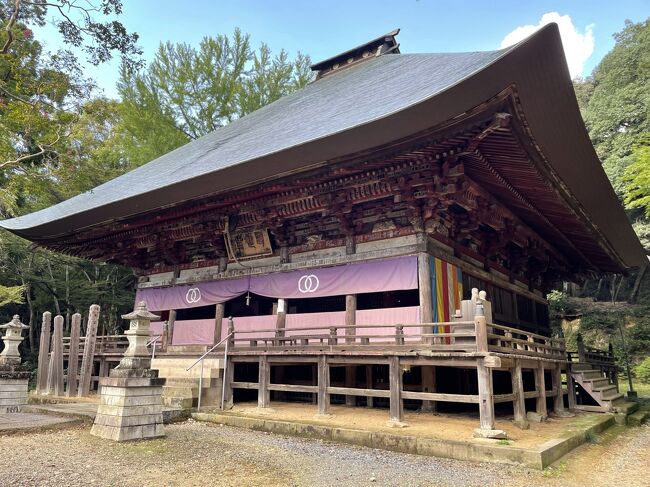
323	28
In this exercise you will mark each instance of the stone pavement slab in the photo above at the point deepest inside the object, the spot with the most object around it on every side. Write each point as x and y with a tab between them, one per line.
24	421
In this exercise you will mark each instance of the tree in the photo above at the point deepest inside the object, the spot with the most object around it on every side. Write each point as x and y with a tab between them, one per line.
11	294
41	93
187	92
637	176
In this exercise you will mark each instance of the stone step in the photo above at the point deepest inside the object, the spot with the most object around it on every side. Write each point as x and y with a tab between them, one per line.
625	407
638	418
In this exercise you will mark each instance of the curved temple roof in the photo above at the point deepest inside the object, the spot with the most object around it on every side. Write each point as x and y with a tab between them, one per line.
382	99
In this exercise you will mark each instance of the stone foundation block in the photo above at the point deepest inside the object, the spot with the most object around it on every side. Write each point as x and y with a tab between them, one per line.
13	395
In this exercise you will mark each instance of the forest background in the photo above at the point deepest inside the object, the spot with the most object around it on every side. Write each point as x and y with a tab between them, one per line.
59	137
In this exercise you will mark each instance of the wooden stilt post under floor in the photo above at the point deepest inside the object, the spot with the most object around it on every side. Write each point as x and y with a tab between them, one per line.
350	320
228	378
540	387
519	402
369	385
44	354
485	395
428	385
73	356
395	382
323	385
558	399
571	389
263	393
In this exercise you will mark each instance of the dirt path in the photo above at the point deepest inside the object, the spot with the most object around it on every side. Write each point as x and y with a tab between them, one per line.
195	454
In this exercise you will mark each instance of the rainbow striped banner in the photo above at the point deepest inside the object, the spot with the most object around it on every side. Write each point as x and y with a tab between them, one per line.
447	290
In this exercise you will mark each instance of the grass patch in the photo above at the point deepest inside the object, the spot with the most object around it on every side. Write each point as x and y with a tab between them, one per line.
503	442
555	470
591	437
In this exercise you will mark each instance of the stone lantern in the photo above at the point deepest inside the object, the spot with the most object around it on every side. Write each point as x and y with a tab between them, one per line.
13	378
12	338
130	406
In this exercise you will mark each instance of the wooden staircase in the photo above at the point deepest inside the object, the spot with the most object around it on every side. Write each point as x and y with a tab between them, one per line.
597	385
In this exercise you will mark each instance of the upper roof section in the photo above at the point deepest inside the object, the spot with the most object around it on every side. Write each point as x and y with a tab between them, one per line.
373	103
385	44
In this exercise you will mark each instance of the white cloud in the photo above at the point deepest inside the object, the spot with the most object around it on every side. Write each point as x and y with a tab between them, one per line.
578	46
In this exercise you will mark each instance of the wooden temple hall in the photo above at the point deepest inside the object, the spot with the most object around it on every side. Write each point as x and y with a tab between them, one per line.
345	226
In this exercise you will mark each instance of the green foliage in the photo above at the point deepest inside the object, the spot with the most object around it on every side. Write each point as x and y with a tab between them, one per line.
11	294
637	177
642	371
187	92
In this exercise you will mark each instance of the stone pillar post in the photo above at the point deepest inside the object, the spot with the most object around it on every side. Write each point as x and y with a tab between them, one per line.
57	357
44	354
73	356
13	377
130	407
89	351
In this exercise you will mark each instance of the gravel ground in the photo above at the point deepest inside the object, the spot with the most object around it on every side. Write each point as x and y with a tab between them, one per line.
201	454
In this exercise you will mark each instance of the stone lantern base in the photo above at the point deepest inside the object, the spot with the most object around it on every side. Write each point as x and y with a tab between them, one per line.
130	407
13	388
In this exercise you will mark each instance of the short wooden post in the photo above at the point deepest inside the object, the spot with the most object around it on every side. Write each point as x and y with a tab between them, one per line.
485	395
219	311
395	382
231	332
73	355
44	353
480	326
428	385
57	356
399	335
369	385
519	402
424	286
558	399
263	393
88	360
323	385
540	387
332	338
581	348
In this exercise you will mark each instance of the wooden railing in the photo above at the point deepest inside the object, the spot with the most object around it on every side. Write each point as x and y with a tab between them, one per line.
455	336
511	340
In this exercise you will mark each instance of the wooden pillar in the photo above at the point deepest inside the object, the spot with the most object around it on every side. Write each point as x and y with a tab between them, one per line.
369	385
519	402
219	312
395	382
263	393
281	318
424	286
540	387
73	356
428	385
44	354
350	321
323	385
558	399
89	351
57	356
485	395
170	328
